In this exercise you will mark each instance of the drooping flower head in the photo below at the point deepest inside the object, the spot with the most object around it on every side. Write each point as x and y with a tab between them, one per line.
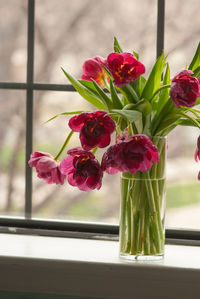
197	152
135	154
124	67
47	168
185	89
82	170
92	69
95	128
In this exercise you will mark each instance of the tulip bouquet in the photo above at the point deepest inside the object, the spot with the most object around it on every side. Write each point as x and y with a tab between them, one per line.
140	112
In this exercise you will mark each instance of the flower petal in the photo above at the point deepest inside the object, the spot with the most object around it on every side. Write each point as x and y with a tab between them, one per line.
76	122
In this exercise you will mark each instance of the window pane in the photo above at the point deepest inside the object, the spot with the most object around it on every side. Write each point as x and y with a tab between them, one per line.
67	202
61	40
183	196
69	33
181	32
13	31
183	188
12	152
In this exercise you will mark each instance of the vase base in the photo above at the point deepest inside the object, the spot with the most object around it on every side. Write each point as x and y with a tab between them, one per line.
131	257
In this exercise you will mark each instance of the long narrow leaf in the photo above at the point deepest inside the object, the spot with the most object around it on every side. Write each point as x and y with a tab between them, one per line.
117	104
117	47
129	93
169	121
65	113
153	82
86	93
196	60
143	106
187	122
89	85
197	72
164	94
105	99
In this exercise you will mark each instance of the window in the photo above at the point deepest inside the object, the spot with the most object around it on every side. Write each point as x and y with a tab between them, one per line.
33	89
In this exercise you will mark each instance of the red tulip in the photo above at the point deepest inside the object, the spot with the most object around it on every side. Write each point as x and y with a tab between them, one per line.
135	154
47	168
95	128
92	69
124	68
185	89
82	169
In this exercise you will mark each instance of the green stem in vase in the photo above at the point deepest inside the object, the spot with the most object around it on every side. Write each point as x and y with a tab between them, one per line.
135	199
124	191
153	211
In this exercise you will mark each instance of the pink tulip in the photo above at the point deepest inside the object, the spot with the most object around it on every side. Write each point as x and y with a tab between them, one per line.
92	69
82	170
47	168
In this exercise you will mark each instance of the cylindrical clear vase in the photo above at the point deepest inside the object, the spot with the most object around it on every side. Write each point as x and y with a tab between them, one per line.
142	211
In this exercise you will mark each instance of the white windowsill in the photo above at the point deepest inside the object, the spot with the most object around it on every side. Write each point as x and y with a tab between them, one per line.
83	267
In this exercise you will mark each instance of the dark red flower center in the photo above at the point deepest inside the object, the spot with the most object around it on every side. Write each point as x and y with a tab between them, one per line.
93	128
124	71
84	168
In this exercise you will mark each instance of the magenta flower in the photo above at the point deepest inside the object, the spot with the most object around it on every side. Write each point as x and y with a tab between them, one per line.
82	169
197	152
92	69
185	89
95	128
47	168
124	68
135	154
199	176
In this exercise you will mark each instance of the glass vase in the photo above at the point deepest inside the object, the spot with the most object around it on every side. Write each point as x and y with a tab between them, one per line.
142	210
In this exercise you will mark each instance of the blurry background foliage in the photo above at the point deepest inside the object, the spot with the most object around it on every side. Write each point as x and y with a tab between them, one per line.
66	34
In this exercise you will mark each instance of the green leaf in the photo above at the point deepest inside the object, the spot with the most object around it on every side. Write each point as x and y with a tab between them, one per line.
196	60
167	122
167	110
117	47
105	99
197	72
163	97
142	106
89	85
153	82
136	55
169	129
86	93
114	96
129	93
138	85
107	72
187	122
130	115
65	113
197	101
142	83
